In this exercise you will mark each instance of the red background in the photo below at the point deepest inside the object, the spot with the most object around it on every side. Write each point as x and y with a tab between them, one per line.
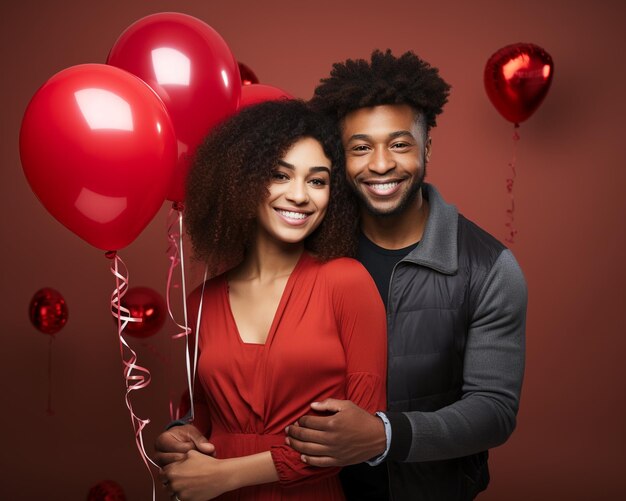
570	442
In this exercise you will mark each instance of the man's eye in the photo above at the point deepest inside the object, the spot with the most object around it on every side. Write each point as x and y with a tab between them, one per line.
360	147
400	145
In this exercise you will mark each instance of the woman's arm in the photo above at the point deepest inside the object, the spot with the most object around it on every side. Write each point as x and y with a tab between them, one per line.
199	477
352	433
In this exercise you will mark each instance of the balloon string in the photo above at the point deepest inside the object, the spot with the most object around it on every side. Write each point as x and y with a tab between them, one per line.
49	410
510	182
176	256
135	376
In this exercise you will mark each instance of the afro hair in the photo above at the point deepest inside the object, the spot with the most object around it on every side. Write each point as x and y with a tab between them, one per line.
386	79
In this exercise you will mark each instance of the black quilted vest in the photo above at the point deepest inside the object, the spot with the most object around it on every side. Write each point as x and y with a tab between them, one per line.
428	316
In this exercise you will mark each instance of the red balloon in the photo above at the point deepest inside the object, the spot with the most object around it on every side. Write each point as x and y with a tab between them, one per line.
247	75
48	311
259	93
191	68
517	79
106	490
98	150
147	304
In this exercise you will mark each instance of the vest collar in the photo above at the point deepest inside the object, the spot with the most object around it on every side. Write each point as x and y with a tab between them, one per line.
438	247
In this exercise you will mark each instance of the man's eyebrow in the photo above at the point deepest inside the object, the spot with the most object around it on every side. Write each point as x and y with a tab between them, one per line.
400	133
321	168
359	136
392	135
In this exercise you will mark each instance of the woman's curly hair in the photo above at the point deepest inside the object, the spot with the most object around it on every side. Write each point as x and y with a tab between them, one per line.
233	168
387	79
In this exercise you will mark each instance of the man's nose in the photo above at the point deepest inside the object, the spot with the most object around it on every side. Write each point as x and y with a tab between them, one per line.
382	160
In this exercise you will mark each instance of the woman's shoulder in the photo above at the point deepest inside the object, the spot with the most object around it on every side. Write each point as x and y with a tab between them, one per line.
209	287
344	270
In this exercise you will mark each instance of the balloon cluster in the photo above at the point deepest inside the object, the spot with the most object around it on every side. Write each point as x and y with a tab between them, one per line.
103	145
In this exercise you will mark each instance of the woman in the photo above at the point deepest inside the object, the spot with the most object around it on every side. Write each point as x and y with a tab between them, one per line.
291	323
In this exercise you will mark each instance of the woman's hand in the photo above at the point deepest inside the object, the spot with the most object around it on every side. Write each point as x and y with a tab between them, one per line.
197	477
173	444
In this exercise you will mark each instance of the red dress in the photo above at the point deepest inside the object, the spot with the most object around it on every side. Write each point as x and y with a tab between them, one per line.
327	340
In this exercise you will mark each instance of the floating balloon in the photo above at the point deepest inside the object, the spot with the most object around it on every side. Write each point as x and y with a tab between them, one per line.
189	65
517	79
148	305
259	93
48	311
247	75
106	490
98	150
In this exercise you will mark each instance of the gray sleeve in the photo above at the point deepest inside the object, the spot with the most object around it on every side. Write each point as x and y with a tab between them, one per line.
493	370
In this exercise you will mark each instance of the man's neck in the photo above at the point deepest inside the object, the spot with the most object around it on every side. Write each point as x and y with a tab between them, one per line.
398	231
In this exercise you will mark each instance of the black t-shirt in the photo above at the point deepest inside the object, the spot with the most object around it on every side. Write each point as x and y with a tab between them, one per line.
380	262
363	482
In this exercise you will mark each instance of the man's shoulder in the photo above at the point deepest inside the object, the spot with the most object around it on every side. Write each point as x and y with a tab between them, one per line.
475	240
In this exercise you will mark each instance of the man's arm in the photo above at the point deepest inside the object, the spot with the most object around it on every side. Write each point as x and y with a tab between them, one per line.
484	417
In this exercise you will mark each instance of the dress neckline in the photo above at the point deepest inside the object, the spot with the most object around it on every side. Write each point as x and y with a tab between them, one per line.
282	303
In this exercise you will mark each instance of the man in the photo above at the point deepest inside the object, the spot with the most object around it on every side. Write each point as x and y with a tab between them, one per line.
455	299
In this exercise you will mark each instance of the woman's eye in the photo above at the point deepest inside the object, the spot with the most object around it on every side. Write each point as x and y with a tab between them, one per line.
318	182
279	176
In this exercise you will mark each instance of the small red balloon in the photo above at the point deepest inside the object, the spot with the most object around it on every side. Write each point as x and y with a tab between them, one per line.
517	79
106	490
259	93
48	311
248	76
147	304
191	68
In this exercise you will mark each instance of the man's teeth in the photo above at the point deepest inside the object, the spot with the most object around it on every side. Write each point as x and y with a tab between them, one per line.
292	215
384	186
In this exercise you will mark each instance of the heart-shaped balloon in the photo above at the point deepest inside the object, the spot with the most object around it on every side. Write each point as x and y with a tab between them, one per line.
517	79
98	149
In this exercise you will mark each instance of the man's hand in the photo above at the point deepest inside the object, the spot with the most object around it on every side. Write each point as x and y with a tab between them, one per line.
173	444
351	435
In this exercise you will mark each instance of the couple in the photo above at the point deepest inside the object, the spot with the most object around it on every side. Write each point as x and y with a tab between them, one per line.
301	370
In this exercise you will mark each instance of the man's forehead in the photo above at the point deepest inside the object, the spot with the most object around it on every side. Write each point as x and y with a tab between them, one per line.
380	120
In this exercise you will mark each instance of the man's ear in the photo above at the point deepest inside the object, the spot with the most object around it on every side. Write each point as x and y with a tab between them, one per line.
428	148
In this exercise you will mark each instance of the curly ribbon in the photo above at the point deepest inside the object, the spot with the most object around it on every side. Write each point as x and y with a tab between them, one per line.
176	257
135	376
510	212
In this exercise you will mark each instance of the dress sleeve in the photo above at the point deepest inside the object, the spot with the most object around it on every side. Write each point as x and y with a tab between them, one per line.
361	321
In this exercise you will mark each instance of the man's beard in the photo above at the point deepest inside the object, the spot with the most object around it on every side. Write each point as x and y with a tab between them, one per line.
406	201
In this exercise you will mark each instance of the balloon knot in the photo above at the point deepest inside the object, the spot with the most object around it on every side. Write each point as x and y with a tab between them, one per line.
179	206
110	254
